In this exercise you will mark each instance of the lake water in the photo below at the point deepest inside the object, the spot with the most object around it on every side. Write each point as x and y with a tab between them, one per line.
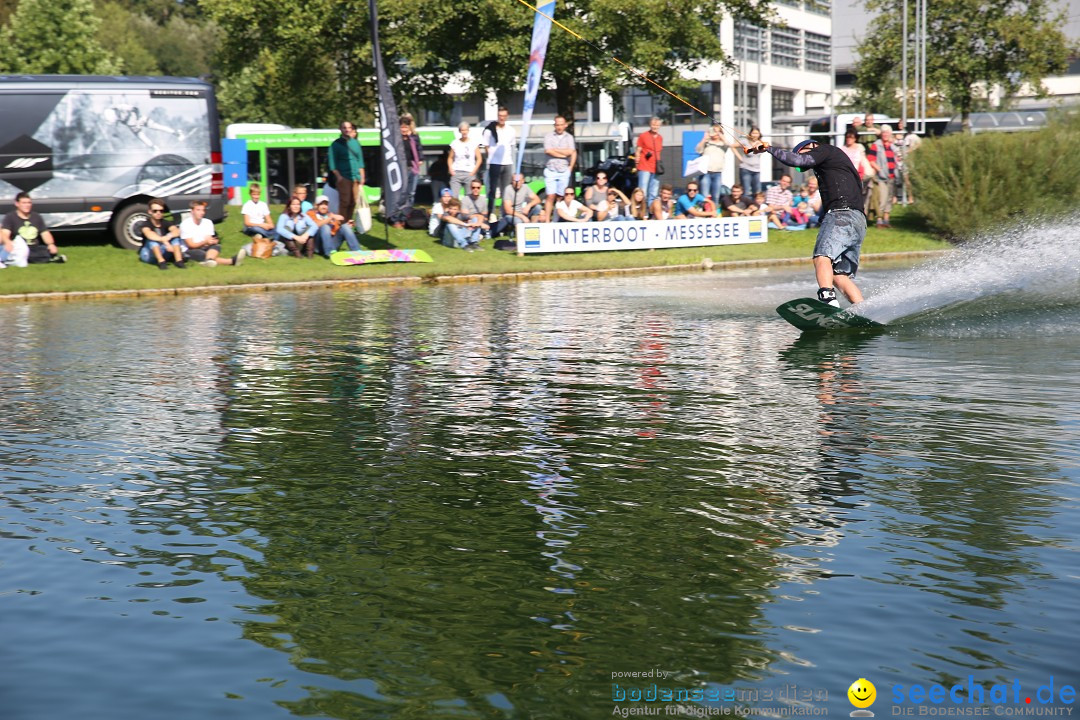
482	501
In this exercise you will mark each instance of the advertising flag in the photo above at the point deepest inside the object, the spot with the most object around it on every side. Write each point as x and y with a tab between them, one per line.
541	31
393	147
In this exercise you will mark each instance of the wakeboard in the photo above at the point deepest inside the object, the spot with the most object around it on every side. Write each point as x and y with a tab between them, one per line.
812	315
367	257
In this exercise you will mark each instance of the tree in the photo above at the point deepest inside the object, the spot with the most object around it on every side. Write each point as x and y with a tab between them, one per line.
300	62
971	46
268	51
54	36
486	42
124	34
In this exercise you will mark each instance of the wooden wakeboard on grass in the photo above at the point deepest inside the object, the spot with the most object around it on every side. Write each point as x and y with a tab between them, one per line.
812	315
367	257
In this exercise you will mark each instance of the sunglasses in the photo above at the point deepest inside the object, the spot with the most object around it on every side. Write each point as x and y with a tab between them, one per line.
157	210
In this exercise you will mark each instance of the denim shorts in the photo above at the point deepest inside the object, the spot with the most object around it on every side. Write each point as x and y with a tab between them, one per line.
840	239
555	183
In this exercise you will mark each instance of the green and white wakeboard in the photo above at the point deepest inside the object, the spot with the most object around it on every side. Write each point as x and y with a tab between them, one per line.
812	315
367	257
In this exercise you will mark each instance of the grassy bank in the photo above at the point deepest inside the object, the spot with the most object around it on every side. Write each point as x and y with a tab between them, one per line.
95	265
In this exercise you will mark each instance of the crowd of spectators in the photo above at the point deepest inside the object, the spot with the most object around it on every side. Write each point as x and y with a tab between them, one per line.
466	213
879	153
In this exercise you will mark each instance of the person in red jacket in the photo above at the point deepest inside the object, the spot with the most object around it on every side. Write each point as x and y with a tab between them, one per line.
649	147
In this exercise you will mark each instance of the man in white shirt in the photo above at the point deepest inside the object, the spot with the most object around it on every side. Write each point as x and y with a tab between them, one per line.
198	235
499	140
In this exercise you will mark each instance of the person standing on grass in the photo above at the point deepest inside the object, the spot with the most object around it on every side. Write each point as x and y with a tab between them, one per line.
713	148
346	164
561	151
650	147
843	224
498	141
465	159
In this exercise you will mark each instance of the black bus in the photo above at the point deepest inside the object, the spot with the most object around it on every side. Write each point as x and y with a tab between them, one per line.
92	151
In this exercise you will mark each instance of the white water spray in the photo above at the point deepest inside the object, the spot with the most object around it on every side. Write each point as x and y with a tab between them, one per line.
1041	261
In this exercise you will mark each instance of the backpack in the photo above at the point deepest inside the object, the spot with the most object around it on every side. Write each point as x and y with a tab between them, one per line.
417	219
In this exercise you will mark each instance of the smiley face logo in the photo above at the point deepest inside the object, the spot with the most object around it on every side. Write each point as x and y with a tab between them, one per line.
862	694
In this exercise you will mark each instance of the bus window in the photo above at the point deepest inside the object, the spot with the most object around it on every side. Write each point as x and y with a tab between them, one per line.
304	169
372	165
254	161
277	175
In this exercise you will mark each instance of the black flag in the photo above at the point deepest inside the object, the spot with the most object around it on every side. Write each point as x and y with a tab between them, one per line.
393	148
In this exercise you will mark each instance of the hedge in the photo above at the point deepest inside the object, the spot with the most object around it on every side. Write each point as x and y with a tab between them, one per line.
967	184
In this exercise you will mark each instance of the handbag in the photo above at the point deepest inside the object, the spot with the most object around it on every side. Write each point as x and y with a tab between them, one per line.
659	168
261	247
363	212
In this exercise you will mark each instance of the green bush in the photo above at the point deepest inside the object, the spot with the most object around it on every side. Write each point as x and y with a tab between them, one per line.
966	184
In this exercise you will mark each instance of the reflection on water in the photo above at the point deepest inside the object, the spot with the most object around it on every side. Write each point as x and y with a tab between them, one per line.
483	501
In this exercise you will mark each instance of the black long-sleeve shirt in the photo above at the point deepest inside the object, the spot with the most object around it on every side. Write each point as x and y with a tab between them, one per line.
838	180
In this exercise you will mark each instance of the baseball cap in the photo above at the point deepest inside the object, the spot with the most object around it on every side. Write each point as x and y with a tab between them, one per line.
804	143
446	191
321	199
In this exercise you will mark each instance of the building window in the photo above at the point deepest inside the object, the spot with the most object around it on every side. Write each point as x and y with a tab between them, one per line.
640	107
786	48
749	43
746	105
703	99
783	102
819	7
818	52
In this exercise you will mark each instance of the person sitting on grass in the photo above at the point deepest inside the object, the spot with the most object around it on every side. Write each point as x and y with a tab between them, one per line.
663	207
736	204
618	205
799	217
257	217
568	209
200	238
297	230
520	205
24	237
300	191
596	197
160	236
692	204
477	207
332	229
460	231
435	222
774	216
639	209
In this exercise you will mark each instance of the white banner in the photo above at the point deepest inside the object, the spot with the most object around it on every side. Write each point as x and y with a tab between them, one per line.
639	234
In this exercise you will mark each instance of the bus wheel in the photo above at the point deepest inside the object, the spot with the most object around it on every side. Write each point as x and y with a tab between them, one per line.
124	222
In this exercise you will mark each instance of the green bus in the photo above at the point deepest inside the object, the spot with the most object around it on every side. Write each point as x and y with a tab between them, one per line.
280	157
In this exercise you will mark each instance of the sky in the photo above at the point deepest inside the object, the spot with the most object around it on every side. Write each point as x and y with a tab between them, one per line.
850	19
